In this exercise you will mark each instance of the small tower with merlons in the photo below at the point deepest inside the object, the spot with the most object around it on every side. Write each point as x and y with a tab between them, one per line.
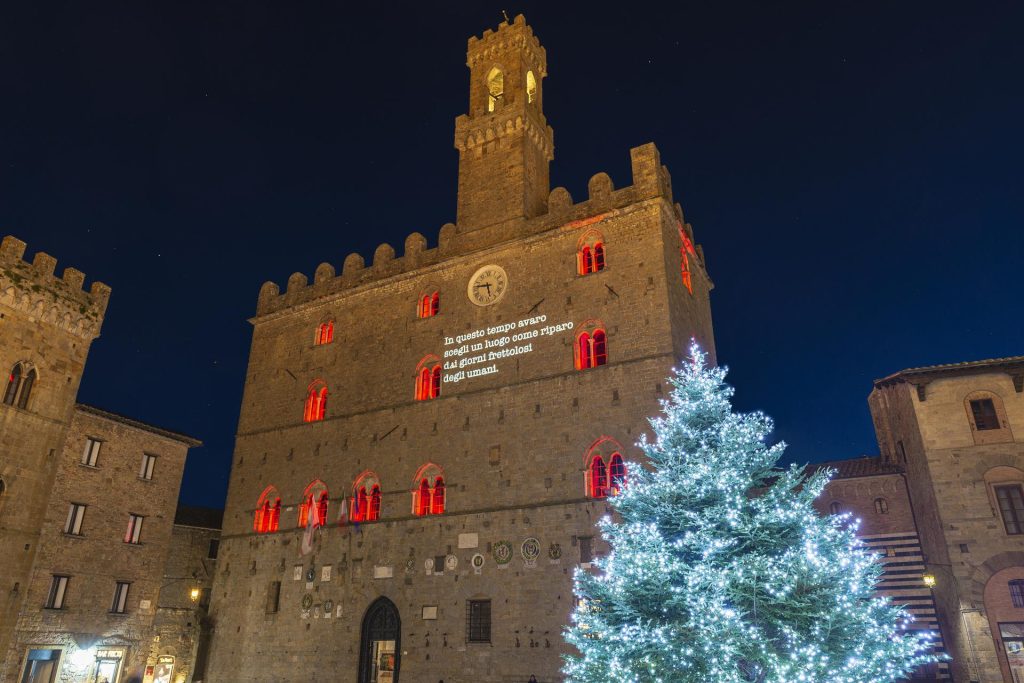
505	144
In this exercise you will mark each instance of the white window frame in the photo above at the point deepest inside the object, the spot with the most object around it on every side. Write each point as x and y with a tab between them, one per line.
73	523
120	604
91	454
58	591
148	465
134	533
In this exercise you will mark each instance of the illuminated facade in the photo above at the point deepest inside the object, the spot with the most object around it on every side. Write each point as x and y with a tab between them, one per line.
47	324
87	497
484	397
957	431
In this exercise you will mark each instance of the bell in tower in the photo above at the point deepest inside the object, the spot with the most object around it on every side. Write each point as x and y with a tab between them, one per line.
505	144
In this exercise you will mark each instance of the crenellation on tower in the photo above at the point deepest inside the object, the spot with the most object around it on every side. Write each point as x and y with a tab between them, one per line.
34	288
651	181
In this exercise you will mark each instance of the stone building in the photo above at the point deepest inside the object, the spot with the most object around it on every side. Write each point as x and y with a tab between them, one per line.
874	492
105	540
87	497
957	431
46	326
181	633
469	404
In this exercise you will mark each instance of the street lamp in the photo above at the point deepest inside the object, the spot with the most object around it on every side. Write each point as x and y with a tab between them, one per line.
194	594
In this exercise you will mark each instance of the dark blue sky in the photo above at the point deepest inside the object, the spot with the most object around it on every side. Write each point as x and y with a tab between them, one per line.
853	171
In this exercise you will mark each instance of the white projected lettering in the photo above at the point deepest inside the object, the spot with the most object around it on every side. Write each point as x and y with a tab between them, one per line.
474	349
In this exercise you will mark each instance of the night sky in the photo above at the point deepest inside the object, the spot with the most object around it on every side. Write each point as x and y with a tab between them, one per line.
853	170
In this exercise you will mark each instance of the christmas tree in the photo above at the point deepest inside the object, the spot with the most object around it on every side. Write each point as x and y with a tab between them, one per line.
721	570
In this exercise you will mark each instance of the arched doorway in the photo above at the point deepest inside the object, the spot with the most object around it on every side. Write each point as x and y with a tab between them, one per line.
379	653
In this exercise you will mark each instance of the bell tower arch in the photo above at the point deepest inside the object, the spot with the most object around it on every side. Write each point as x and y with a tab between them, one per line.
505	144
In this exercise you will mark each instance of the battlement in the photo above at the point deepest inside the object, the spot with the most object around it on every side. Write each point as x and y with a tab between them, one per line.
650	180
516	34
35	289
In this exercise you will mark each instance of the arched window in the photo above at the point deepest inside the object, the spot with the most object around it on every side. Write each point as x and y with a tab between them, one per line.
685	270
366	498
373	511
26	388
423	502
314	495
495	88
316	402
881	506
835	507
590	253
598	478
268	511
591	347
437	498
428	494
430	304
605	470
325	333
428	378
616	474
531	88
13	384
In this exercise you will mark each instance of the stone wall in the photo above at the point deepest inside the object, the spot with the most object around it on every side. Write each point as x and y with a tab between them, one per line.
46	325
180	622
99	557
952	470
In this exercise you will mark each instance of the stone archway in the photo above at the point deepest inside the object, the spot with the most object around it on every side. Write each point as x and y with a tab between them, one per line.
380	643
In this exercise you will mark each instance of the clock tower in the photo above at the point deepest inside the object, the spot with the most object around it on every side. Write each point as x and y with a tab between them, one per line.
505	144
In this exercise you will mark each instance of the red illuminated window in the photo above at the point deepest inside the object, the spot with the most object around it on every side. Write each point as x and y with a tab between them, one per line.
366	499
428	496
616	474
437	499
429	305
685	267
591	349
598	478
325	333
373	511
314	495
590	253
316	402
268	512
605	468
428	379
423	503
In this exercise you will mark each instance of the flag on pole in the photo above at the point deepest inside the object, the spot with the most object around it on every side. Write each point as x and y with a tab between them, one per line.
343	515
312	522
356	512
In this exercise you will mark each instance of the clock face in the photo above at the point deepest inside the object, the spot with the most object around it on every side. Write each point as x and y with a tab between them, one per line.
487	285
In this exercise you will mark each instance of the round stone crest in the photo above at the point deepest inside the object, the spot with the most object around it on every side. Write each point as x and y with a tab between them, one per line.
502	552
530	551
